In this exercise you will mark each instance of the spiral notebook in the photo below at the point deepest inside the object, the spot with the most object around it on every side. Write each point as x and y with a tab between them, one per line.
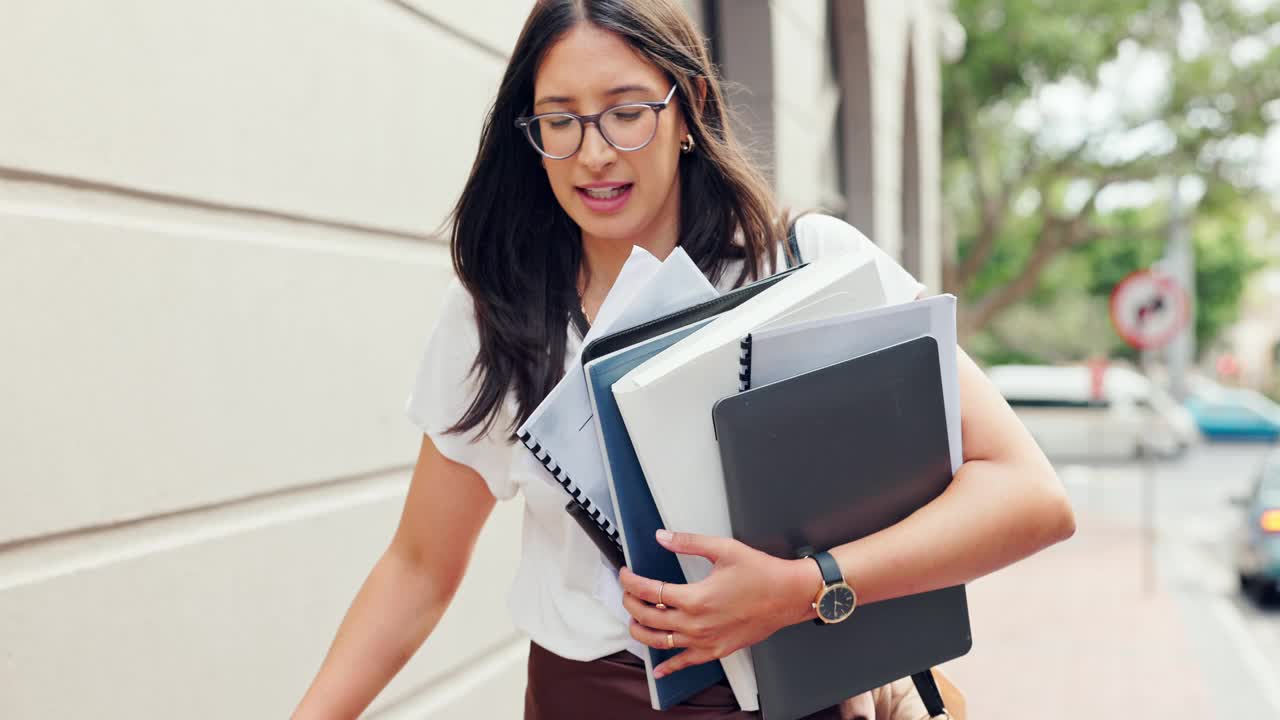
830	306
559	432
595	514
584	510
833	305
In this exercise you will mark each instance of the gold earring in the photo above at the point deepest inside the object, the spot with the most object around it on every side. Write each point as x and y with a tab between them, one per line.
686	145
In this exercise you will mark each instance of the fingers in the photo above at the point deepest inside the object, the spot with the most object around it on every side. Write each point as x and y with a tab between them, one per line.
674	595
707	546
657	638
669	640
658	619
696	652
688	658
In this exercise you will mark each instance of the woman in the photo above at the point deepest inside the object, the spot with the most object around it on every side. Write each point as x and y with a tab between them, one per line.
609	131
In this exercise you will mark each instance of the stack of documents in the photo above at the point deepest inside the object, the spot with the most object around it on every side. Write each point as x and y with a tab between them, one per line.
806	393
861	444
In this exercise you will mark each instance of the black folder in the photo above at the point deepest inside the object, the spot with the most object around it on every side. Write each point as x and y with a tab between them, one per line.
821	459
621	339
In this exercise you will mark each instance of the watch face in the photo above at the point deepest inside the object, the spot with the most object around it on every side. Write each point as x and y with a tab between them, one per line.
837	603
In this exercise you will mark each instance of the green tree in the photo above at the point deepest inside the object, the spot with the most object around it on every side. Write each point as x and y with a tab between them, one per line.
1022	194
1065	317
1223	265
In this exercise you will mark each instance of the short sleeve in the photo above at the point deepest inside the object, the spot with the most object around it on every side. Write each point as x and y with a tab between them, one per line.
444	387
820	235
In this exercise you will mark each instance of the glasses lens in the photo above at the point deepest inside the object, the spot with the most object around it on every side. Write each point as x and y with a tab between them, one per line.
630	127
556	135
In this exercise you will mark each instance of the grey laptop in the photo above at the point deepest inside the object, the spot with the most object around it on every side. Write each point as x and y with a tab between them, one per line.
823	458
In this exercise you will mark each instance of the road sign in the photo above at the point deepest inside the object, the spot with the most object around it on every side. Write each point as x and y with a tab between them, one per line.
1149	308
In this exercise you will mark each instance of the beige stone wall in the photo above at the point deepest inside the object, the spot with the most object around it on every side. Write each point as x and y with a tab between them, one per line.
217	270
217	273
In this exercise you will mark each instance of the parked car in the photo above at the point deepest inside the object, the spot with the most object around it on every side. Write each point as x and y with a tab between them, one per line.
1258	550
1181	424
1132	416
1234	414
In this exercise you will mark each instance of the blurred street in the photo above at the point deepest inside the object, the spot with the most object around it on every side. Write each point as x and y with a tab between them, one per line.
1078	632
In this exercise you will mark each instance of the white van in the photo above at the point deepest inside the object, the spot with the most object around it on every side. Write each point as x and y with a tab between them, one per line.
1131	417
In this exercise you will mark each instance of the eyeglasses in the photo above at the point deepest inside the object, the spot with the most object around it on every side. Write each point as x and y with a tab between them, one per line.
628	127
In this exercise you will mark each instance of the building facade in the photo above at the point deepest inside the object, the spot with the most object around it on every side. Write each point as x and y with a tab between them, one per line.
220	259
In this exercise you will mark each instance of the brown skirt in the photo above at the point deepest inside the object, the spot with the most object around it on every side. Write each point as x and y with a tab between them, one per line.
615	687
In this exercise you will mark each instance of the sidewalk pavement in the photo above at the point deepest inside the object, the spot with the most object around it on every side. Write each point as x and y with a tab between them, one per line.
1072	633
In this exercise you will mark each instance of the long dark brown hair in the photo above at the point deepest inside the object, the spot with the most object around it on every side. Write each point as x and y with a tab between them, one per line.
516	250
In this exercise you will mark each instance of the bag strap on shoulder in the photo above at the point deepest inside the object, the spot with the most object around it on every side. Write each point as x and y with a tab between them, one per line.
793	246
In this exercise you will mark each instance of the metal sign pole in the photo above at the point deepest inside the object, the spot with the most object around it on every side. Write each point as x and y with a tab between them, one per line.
1148	309
1180	263
1148	504
1149	522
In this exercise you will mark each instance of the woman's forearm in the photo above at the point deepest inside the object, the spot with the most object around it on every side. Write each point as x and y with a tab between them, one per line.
991	516
393	613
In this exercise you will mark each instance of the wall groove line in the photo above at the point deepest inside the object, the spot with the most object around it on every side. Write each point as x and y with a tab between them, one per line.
33	560
173	200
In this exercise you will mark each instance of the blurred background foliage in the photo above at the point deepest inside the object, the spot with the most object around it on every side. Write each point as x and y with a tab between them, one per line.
1064	125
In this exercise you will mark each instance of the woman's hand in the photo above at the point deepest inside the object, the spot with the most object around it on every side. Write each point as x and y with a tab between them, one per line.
748	596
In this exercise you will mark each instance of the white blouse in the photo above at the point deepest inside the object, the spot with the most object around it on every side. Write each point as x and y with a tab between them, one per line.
565	595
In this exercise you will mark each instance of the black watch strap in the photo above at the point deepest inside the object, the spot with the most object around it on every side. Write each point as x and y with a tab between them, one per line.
927	686
924	680
830	569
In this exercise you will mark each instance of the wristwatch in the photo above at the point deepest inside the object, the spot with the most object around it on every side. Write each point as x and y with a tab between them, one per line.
836	600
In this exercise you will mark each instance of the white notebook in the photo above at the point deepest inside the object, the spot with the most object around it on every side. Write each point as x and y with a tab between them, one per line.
666	405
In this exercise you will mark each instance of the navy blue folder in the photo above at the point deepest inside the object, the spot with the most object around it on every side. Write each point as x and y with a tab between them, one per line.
637	515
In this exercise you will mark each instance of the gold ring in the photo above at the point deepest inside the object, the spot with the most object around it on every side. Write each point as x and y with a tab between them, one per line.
661	605
671	641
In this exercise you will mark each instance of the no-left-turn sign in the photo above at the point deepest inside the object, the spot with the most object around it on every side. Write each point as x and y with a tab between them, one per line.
1149	309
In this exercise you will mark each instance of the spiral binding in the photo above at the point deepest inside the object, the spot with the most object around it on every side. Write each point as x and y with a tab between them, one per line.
744	346
593	511
744	364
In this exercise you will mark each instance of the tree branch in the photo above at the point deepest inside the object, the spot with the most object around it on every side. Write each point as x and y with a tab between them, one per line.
973	153
993	303
992	210
1097	234
1057	233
